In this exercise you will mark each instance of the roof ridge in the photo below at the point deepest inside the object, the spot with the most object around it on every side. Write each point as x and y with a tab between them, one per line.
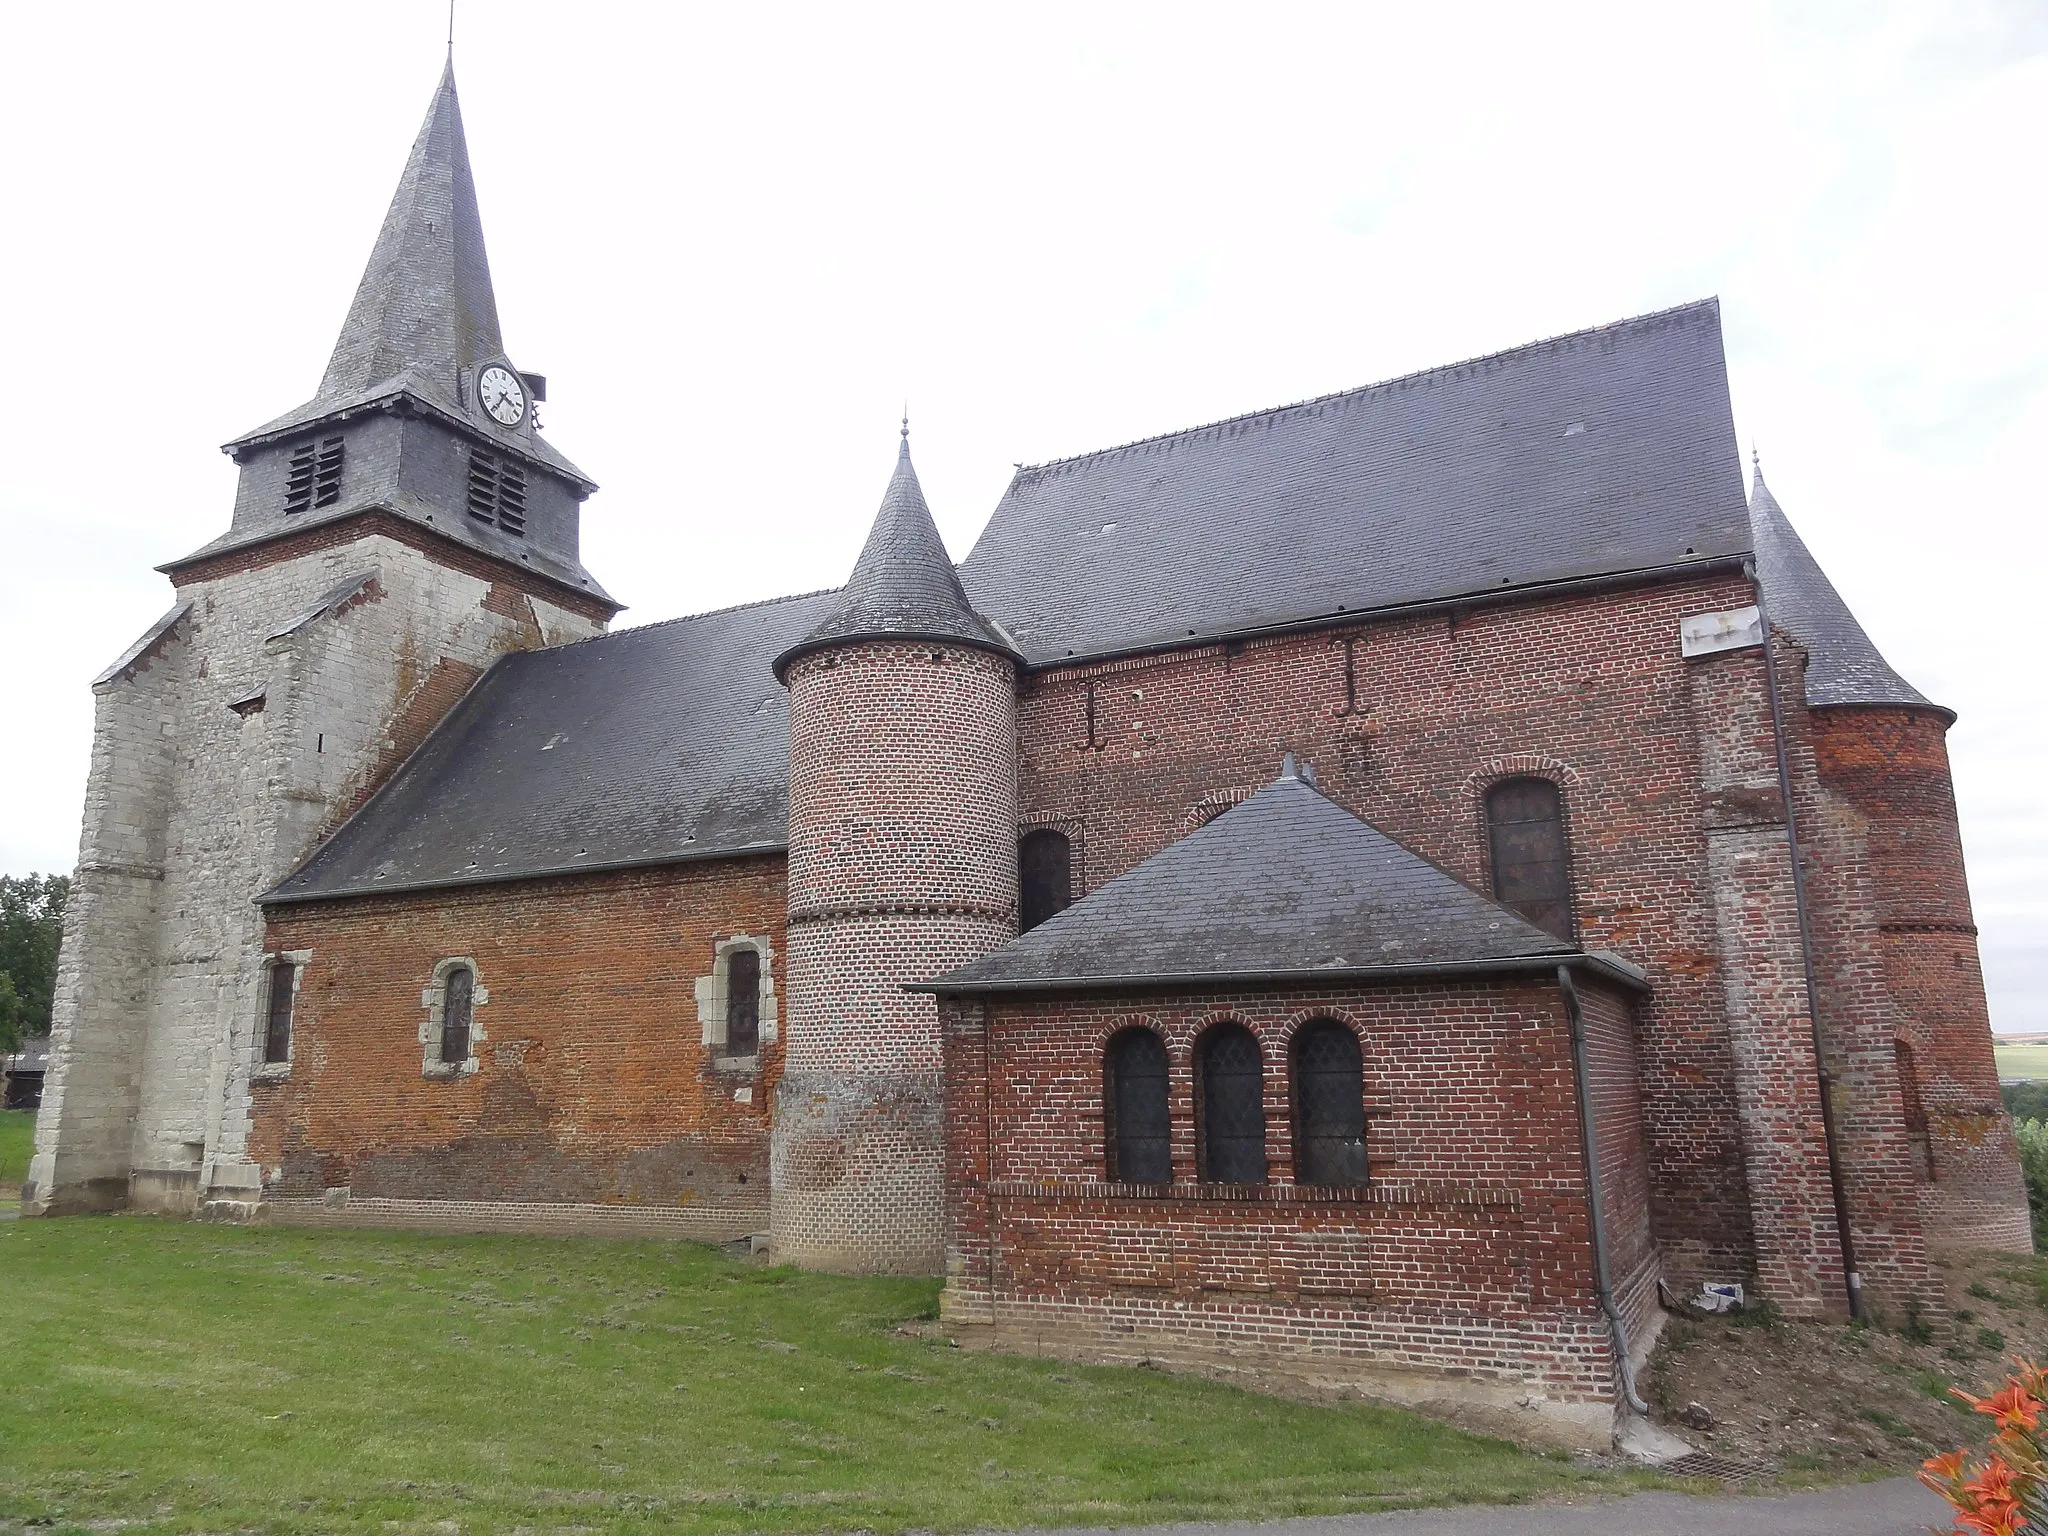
1711	301
681	618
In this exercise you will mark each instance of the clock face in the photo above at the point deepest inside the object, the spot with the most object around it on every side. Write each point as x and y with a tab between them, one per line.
502	394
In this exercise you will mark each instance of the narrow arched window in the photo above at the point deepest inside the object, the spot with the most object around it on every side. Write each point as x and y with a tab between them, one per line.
1230	1090
1329	1106
458	1004
1139	1139
1531	874
277	1023
742	1002
1045	876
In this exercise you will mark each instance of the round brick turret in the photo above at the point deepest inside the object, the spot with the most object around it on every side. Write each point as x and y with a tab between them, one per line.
902	865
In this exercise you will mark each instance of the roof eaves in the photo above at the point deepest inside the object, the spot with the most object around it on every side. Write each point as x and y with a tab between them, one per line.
1612	967
276	896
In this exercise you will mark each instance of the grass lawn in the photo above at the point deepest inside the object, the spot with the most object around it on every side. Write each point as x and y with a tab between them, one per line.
199	1377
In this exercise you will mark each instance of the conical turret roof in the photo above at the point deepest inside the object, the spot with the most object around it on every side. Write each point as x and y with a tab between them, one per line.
425	315
903	585
1843	666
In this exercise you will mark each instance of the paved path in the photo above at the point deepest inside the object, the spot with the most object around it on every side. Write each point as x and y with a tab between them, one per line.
1896	1507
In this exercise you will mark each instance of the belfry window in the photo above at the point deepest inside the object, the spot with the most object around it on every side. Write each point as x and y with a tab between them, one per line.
497	492
313	475
1045	877
1230	1098
1329	1106
458	1007
277	1015
743	1002
1531	872
1138	1133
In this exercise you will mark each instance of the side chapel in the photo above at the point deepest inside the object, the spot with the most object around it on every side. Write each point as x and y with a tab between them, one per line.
1379	884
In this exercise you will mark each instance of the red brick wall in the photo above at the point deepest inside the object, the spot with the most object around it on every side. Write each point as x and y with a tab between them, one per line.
592	1084
1614	1093
1589	690
1900	947
1469	1251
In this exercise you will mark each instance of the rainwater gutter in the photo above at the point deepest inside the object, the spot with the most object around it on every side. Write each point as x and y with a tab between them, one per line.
1589	1148
1850	1275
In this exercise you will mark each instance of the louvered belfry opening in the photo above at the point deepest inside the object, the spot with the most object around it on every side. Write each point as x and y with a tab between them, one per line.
1329	1106
742	1002
313	476
1045	877
1531	871
1231	1096
497	492
1139	1133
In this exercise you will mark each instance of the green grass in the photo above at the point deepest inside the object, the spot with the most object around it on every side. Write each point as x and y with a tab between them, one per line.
17	1140
198	1377
2030	1061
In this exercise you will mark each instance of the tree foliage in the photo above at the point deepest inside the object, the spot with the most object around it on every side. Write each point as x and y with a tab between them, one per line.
31	926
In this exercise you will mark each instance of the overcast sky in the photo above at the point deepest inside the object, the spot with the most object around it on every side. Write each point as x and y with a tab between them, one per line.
736	238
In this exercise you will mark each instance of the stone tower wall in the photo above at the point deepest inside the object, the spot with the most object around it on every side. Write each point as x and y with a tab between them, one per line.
1887	804
194	807
902	865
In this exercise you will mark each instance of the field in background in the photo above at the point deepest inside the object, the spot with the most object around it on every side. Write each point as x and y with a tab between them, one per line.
2029	1061
180	1376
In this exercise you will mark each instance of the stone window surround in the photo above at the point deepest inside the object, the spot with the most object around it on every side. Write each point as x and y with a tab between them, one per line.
433	998
262	1071
711	1000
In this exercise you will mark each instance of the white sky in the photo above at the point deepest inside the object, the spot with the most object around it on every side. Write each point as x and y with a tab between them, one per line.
735	238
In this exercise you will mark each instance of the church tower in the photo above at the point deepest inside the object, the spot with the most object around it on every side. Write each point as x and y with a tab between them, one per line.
902	865
390	539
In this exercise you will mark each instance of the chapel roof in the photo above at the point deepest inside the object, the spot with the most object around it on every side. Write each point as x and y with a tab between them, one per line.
1843	666
903	585
1287	885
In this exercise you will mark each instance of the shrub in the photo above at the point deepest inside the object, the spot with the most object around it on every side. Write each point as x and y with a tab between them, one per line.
2033	1138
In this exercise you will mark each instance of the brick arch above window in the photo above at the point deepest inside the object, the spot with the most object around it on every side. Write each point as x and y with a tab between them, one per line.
1212	805
1521	765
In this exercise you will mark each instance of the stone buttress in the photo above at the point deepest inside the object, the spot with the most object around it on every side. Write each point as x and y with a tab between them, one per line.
902	865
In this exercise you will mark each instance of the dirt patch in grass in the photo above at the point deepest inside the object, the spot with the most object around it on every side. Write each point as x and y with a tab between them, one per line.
193	1377
1822	1402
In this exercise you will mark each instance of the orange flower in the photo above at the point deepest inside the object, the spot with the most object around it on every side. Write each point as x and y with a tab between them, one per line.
1942	1473
2013	1408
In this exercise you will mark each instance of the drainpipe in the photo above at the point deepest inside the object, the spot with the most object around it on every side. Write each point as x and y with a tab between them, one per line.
1829	1135
1597	1206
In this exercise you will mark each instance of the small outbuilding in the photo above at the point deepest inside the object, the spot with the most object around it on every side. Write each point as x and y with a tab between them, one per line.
23	1074
1289	1100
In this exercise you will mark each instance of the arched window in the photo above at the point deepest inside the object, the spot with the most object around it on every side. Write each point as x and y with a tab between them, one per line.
1329	1106
1531	875
1231	1094
1139	1129
742	1002
1045	876
457	1010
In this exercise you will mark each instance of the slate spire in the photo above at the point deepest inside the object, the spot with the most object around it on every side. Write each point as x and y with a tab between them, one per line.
903	585
1843	666
425	304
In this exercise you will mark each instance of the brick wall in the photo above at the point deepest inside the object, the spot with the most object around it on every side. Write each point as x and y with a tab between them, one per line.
1590	691
595	1085
1468	1256
1901	951
902	865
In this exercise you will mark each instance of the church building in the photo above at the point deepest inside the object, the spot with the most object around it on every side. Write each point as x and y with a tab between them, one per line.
1381	889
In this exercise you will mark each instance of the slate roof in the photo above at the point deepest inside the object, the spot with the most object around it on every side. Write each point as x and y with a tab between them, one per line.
650	746
425	309
1285	885
1842	665
1608	451
904	584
